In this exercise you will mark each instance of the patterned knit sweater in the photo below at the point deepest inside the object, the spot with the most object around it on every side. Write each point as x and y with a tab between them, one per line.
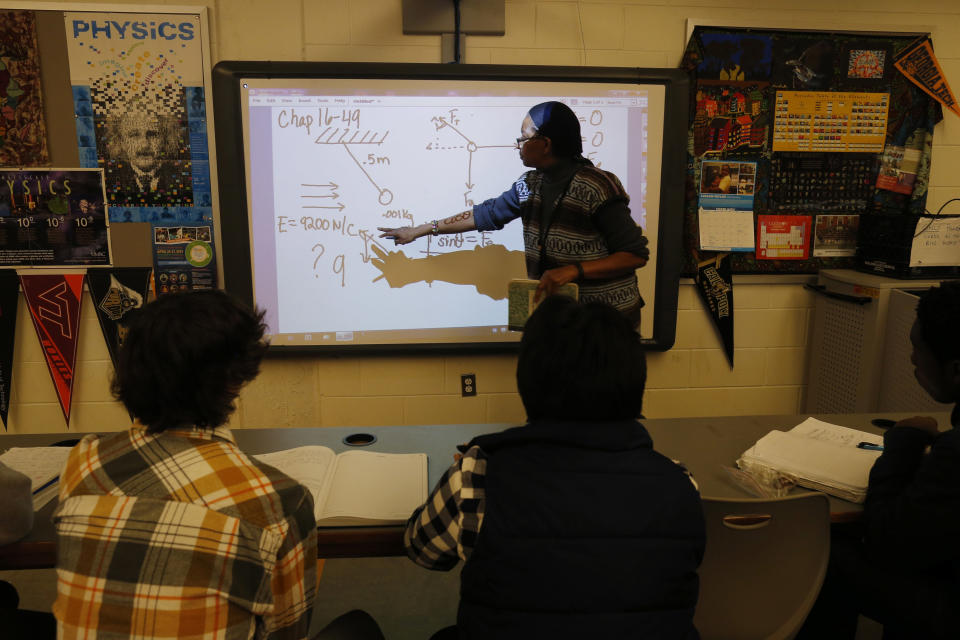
571	234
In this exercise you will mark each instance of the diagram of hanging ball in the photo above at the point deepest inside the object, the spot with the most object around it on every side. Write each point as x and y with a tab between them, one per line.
386	196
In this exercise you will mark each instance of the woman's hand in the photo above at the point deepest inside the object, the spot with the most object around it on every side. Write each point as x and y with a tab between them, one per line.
402	235
553	279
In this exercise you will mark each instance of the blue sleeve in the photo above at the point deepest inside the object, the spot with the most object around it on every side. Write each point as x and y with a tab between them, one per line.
494	213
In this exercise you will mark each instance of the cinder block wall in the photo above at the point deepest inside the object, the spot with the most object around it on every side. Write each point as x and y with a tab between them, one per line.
692	379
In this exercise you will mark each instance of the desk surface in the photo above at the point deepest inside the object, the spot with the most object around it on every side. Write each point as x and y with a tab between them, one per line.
704	445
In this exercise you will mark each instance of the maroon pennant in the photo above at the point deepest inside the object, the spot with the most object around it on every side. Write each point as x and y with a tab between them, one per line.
54	302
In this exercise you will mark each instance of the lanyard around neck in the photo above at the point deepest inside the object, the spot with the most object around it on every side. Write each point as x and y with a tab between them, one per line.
546	217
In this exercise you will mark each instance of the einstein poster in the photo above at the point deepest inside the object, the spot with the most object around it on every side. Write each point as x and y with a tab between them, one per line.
138	96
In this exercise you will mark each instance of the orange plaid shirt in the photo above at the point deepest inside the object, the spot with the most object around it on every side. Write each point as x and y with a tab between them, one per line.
181	535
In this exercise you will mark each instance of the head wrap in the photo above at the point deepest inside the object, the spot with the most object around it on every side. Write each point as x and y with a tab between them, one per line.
558	122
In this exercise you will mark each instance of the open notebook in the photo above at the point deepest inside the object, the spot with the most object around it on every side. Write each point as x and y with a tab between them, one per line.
817	455
356	487
42	465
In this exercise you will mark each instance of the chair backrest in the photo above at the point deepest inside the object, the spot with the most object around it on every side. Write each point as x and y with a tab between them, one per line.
764	563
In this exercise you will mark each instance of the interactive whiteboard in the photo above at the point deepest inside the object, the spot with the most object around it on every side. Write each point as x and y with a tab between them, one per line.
331	152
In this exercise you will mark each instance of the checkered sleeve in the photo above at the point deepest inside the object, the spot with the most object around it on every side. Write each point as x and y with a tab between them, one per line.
444	530
83	472
294	579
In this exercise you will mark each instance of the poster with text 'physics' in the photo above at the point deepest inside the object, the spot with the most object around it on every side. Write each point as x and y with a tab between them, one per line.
783	237
53	217
830	121
140	109
133	77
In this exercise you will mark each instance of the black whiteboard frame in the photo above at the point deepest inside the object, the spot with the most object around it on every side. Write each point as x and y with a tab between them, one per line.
234	230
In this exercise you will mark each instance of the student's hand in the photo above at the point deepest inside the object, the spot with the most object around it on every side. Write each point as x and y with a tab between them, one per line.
553	279
400	235
924	423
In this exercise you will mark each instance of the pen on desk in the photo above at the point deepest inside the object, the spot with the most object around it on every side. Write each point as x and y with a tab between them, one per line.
870	446
52	481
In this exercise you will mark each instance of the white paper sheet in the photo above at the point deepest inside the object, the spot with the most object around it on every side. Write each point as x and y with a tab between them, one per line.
726	230
936	243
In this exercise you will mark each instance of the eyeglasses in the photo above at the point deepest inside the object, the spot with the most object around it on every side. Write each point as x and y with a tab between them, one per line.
520	141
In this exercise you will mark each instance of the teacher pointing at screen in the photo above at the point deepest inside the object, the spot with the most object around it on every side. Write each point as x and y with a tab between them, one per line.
576	222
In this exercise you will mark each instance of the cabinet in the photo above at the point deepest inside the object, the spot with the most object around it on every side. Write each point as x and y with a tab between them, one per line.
848	340
899	389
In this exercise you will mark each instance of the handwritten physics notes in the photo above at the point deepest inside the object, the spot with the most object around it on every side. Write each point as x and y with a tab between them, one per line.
358	163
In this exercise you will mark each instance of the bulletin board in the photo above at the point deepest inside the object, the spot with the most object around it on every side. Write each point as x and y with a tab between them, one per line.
794	139
123	90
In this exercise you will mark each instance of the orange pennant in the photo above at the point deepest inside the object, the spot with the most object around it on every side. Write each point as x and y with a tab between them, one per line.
918	63
54	302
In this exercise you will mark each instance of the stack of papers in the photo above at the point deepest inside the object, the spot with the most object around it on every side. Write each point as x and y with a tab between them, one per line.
42	465
817	455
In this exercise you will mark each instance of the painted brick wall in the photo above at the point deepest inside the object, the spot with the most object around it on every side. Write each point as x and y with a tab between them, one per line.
693	379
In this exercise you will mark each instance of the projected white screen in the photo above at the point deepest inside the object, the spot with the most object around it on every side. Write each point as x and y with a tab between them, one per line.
330	160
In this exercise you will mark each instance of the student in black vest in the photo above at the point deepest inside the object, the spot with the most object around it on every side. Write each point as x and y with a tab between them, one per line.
570	526
576	222
903	568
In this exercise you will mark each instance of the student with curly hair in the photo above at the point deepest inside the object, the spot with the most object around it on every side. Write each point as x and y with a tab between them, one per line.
168	530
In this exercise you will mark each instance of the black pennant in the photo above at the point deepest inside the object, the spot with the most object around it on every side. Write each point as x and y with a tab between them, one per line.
115	293
715	285
9	299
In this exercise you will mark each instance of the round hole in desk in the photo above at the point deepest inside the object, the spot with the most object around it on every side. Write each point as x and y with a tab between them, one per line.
360	439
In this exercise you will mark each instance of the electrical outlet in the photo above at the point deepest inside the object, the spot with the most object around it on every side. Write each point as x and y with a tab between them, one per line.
468	385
